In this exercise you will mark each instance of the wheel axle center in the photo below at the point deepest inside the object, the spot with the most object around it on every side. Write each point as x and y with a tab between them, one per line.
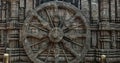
56	34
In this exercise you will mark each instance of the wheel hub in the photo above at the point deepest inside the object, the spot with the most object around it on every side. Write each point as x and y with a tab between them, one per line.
56	35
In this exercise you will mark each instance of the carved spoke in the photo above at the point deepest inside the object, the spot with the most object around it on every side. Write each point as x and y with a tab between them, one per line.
60	22
39	18
50	19
35	36
41	41
64	53
71	19
59	17
70	49
56	52
42	21
48	53
40	28
47	56
56	9
41	50
67	30
69	40
62	19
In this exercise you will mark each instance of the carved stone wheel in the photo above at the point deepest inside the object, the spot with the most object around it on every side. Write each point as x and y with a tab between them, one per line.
55	32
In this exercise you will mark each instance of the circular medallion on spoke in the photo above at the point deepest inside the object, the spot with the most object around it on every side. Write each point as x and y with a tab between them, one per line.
55	32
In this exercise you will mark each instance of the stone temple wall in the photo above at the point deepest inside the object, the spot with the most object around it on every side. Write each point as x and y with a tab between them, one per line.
104	22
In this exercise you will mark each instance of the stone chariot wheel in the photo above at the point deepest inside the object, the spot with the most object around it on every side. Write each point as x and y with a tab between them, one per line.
55	32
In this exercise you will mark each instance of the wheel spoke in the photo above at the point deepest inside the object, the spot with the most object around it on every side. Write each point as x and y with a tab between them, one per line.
47	56
65	54
62	19
50	19
60	24
35	36
41	41
71	19
58	15
70	49
40	51
56	9
67	30
40	28
57	51
41	20
69	40
48	53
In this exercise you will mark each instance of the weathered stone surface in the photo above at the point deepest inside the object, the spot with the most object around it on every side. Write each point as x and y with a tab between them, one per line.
103	21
